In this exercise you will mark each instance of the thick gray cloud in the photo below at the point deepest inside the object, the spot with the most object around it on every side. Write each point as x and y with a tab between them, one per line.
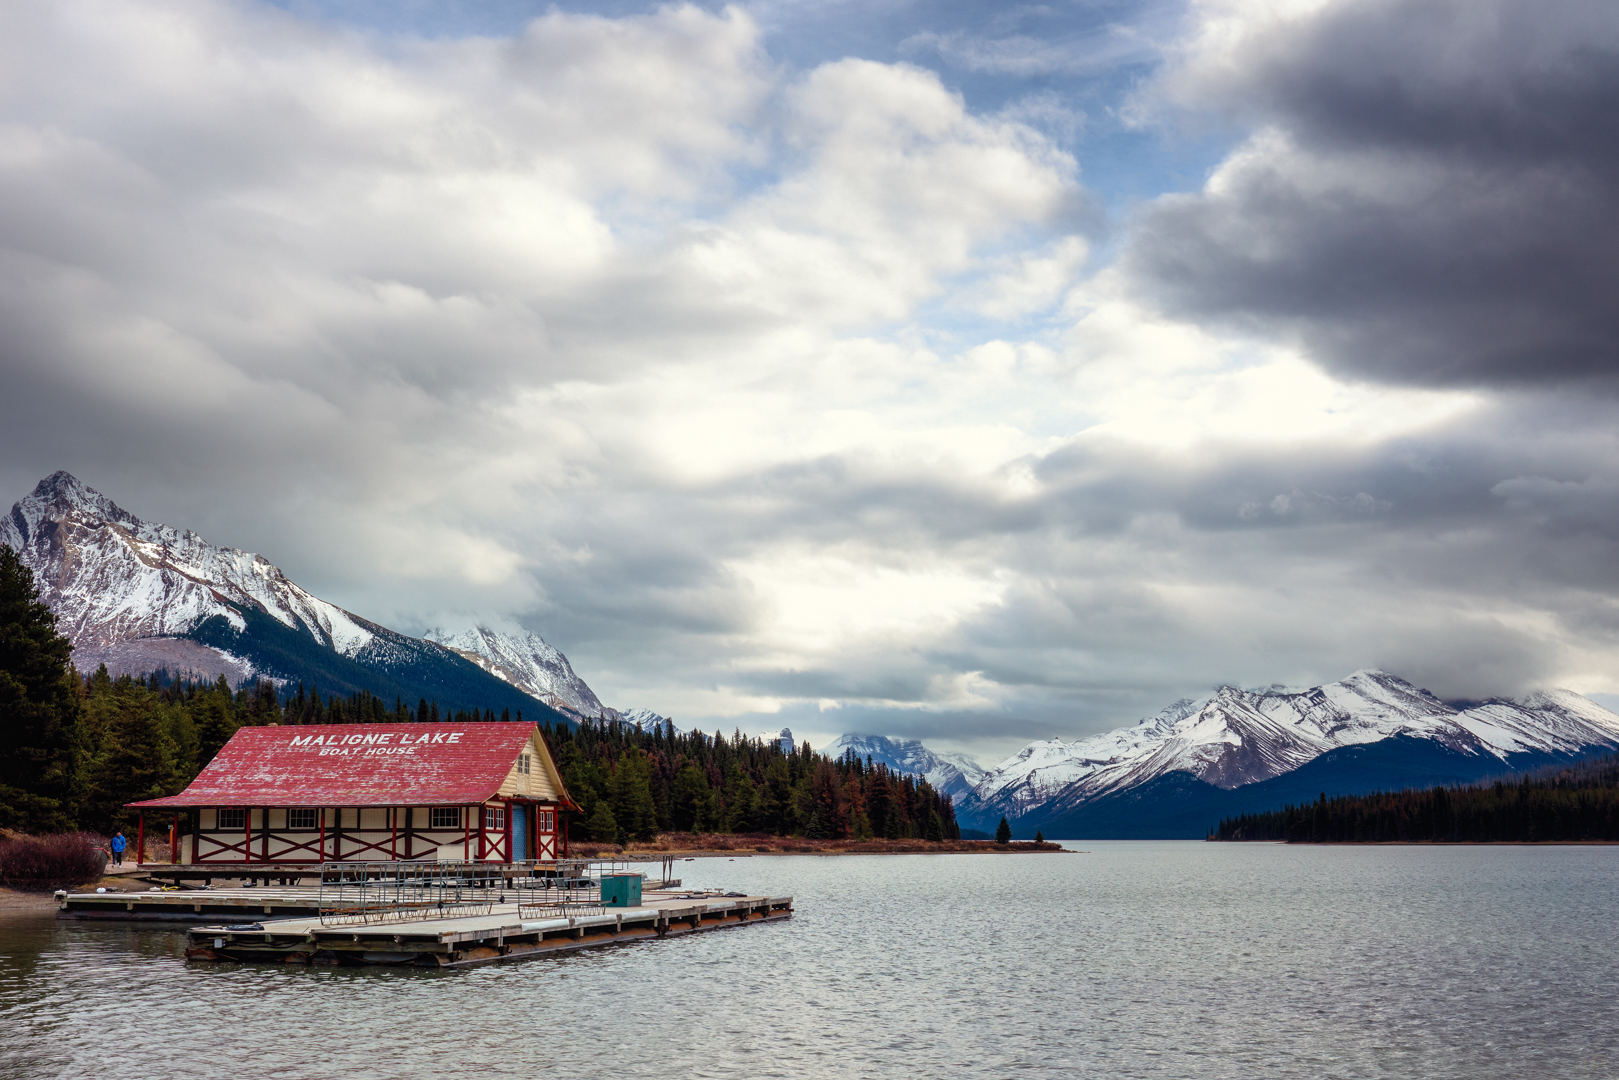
780	395
1431	195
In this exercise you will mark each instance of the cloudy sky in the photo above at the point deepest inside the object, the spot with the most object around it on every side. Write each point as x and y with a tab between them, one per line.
963	371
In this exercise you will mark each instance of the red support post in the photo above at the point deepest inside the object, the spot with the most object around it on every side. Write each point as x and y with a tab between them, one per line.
247	834
393	845
140	841
322	841
508	830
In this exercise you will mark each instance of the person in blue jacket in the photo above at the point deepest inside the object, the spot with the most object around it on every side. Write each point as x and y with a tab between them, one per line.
118	845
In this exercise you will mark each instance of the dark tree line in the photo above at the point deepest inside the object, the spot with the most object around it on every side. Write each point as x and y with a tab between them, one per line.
75	749
1578	802
632	784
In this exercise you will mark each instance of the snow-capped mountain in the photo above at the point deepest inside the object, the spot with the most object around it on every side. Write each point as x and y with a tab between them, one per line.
1240	737
114	580
951	774
527	661
139	596
524	659
645	719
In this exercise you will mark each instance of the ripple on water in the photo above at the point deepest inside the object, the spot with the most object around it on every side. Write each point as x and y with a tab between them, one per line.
1130	960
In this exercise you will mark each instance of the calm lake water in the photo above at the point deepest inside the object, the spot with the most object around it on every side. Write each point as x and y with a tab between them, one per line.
1129	959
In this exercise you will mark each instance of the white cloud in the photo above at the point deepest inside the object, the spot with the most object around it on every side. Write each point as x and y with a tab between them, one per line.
754	390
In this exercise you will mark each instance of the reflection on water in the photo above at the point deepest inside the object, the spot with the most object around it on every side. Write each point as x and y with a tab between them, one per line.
1132	959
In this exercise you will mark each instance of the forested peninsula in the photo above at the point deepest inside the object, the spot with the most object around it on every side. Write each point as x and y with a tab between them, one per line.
1571	803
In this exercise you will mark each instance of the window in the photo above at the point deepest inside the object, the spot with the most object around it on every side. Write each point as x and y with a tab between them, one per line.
545	821
303	817
445	817
232	817
494	818
522	764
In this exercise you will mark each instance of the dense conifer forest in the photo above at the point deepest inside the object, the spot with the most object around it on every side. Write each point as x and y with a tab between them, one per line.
632	784
1574	802
74	749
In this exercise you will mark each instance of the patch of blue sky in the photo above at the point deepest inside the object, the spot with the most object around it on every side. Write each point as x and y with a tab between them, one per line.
1071	69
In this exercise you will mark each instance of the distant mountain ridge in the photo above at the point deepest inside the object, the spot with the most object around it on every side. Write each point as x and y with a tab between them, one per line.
949	774
526	661
139	596
1238	740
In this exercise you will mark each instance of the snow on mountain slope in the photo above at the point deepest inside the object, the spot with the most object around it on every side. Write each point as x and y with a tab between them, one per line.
1554	721
128	592
525	660
644	719
111	577
951	774
1241	737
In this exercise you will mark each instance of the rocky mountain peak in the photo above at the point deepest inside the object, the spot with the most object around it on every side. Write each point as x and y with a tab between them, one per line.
1239	737
524	659
60	497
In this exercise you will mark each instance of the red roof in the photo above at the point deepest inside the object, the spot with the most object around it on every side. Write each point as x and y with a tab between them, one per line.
357	765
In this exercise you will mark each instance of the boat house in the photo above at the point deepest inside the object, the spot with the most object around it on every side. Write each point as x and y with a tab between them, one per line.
370	792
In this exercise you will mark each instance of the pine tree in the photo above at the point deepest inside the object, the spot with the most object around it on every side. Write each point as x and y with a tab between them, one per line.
40	741
687	798
265	708
1039	837
136	760
1003	832
602	826
216	723
630	791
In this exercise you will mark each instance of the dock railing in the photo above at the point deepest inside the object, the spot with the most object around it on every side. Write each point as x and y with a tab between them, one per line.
567	887
560	889
363	893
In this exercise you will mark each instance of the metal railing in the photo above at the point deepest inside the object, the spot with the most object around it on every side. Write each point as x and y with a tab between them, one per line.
363	893
560	889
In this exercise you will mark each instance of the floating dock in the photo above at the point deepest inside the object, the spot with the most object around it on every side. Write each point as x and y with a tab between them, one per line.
192	905
463	941
279	893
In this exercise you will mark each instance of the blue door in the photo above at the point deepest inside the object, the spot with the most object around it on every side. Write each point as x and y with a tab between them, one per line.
519	833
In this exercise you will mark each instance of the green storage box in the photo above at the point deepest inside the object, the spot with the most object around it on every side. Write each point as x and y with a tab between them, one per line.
621	890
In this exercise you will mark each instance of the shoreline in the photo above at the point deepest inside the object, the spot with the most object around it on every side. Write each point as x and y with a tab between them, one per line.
1423	843
710	846
15	900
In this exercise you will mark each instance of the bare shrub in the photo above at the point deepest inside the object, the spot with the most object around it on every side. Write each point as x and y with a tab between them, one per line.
52	862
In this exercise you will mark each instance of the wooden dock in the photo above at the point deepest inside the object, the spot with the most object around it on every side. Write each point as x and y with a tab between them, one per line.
280	894
193	905
503	934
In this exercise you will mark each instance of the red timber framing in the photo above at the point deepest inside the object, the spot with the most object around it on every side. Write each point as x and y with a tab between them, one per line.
370	793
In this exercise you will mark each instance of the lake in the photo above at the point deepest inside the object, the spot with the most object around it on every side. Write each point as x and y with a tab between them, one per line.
1125	959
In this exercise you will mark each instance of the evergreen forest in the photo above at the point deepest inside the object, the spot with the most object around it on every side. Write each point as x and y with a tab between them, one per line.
74	749
632	784
1572	802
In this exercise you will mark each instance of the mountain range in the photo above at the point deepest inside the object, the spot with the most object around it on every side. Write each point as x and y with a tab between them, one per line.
951	774
140	596
1178	772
